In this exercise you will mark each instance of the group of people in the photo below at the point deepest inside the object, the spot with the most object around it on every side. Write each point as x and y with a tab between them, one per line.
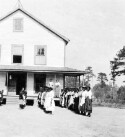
46	99
22	98
78	100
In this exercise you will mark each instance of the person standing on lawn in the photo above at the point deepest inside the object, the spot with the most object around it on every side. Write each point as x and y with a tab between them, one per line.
49	101
89	101
82	104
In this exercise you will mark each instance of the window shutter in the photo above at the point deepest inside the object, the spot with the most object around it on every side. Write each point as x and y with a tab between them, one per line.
18	24
17	50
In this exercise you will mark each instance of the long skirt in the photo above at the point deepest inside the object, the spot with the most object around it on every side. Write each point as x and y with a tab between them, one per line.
71	103
63	101
1	99
42	102
83	108
49	104
76	104
22	103
67	100
88	105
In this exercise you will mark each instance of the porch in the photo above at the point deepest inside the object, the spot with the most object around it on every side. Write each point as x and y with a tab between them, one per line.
13	78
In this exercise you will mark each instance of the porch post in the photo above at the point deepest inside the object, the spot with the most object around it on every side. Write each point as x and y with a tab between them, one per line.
83	81
79	80
63	81
7	82
55	78
75	81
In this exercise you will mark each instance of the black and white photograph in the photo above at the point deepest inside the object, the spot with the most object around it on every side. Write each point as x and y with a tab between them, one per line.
62	68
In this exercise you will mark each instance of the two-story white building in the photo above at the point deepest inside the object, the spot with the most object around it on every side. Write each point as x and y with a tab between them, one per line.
31	54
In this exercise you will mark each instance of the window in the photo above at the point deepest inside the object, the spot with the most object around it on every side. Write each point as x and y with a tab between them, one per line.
18	24
40	55
17	54
39	81
17	59
40	51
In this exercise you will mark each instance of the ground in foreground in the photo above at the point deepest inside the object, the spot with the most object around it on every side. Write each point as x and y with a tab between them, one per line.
33	122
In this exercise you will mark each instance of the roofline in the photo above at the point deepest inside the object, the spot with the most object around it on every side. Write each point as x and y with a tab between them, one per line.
44	71
61	70
66	40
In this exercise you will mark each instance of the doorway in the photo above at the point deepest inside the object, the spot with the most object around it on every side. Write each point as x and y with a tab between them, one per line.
16	81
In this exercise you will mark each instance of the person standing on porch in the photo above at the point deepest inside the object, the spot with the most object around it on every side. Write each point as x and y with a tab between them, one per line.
57	88
51	84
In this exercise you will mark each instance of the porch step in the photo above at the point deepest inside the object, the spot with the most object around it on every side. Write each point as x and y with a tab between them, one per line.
12	99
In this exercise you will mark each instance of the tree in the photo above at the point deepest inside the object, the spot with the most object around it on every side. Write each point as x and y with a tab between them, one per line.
118	65
97	91
89	75
102	92
102	78
121	93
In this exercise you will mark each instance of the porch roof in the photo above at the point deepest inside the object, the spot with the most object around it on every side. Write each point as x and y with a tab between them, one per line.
43	69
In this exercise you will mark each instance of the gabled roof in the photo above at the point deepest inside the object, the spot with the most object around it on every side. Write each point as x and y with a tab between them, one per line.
43	69
66	40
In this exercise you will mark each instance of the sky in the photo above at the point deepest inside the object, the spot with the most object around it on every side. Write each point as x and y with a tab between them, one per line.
96	28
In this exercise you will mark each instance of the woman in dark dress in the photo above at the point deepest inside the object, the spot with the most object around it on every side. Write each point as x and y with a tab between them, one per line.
76	101
22	98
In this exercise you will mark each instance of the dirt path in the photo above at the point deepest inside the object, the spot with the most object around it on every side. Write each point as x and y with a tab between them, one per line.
33	122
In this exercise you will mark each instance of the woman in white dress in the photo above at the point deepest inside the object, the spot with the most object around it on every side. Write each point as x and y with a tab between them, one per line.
71	100
57	89
80	98
49	103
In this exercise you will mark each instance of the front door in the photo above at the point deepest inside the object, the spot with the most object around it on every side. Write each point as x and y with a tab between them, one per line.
16	81
20	82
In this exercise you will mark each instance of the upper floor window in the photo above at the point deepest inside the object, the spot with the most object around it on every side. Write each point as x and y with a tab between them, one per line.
18	25
17	54
41	51
40	54
17	58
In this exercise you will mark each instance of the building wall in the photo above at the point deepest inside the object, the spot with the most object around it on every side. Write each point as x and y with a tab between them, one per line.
3	82
30	84
33	34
